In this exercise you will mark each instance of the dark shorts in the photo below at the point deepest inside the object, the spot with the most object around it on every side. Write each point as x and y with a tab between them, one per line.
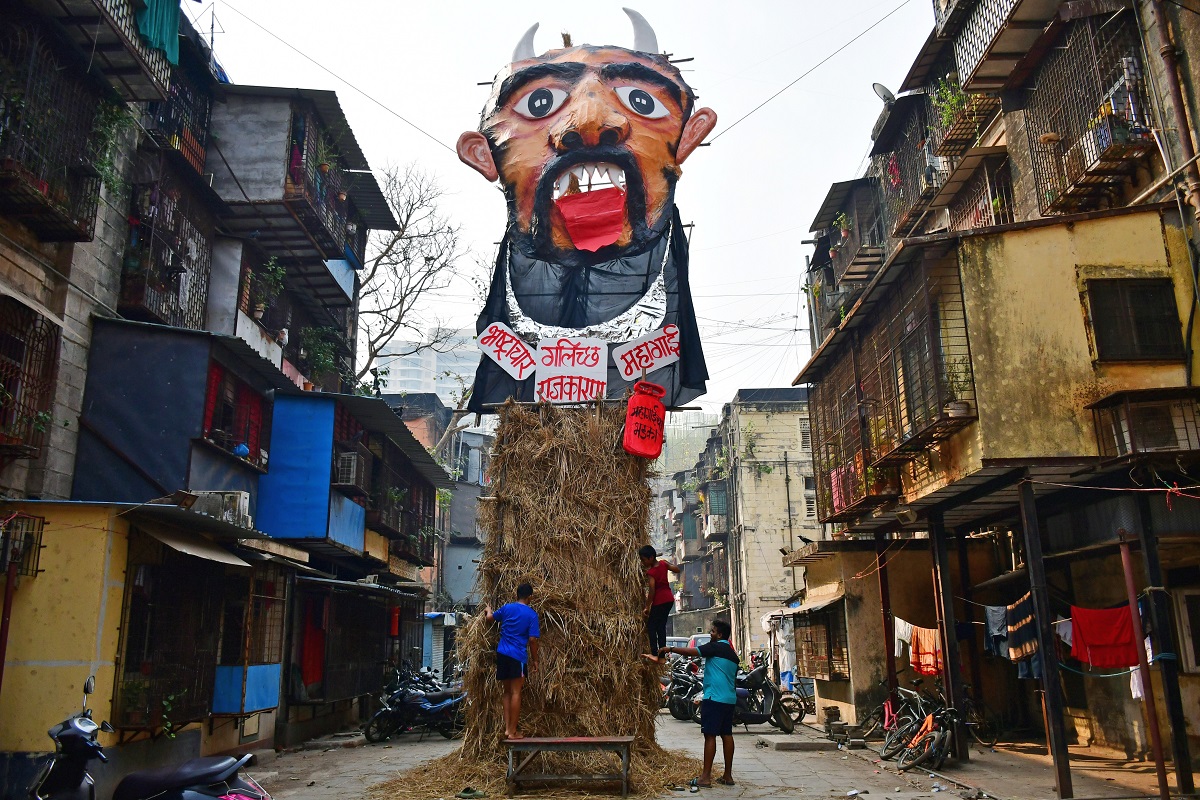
508	668
716	719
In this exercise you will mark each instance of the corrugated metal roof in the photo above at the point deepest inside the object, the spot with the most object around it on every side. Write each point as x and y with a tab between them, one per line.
892	120
370	201
833	202
918	73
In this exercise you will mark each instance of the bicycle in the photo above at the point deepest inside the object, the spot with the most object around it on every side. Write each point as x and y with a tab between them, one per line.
930	744
981	721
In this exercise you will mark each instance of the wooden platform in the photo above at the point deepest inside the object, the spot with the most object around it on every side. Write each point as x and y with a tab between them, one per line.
570	744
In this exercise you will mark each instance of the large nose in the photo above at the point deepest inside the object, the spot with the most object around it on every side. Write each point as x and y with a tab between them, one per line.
592	119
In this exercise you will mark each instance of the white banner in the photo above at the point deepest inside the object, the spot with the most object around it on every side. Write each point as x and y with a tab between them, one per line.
571	370
501	345
656	349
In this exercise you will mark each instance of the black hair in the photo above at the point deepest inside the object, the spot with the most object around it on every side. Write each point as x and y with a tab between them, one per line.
723	629
648	551
524	590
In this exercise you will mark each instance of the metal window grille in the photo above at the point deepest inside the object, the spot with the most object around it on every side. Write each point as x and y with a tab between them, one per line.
1148	424
985	200
168	257
47	116
805	435
169	636
716	498
28	350
252	623
810	505
980	28
1135	319
858	252
822	651
21	544
315	188
909	174
916	361
181	121
1089	118
355	644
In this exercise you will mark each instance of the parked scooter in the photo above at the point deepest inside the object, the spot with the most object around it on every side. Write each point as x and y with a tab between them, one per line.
759	700
414	707
65	776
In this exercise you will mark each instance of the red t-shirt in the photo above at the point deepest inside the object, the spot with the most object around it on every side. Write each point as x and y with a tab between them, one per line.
662	590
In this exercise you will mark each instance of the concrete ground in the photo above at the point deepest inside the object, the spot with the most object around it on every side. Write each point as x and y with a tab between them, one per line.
811	766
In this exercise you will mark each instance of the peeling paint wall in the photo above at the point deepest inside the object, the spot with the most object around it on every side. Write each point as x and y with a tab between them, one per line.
1031	346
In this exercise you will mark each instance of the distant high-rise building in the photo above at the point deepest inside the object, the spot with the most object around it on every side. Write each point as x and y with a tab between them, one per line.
446	369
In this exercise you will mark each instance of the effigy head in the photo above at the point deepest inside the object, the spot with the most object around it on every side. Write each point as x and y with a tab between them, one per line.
587	143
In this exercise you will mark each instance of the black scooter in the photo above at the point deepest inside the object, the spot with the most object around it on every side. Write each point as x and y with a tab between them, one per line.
759	700
65	776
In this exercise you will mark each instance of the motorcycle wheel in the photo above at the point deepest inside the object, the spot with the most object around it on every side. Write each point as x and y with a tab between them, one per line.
379	728
782	719
695	709
794	708
675	706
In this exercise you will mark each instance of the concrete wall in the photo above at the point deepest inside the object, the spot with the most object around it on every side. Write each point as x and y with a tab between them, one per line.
252	135
224	283
1027	315
758	436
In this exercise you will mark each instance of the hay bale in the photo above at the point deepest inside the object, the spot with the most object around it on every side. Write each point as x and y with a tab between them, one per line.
569	511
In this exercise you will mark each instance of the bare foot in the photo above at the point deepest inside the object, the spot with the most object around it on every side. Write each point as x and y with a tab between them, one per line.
649	657
517	735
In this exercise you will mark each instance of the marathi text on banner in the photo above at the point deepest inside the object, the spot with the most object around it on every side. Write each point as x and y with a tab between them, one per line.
499	343
656	349
571	369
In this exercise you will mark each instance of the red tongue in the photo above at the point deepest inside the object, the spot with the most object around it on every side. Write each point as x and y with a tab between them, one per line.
594	219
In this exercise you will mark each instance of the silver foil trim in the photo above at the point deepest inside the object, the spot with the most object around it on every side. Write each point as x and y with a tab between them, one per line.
644	316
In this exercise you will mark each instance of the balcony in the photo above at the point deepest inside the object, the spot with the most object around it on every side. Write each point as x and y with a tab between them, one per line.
181	122
959	118
351	470
107	31
994	36
1089	119
984	198
1147	423
916	378
28	353
315	190
949	14
852	215
168	257
903	162
48	117
415	548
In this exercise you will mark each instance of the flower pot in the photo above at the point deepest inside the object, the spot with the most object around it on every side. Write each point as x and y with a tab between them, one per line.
957	408
342	196
323	167
259	311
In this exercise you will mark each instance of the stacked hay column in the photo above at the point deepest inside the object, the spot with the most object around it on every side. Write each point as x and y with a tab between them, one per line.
568	512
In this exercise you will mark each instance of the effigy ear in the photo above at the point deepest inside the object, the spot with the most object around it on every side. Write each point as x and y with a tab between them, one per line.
475	151
698	127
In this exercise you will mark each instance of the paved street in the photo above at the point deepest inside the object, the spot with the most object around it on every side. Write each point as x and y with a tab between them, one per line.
328	768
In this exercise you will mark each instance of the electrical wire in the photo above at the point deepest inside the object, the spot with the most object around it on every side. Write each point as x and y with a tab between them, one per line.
811	69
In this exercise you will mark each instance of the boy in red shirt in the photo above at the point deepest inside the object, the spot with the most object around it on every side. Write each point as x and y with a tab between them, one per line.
659	600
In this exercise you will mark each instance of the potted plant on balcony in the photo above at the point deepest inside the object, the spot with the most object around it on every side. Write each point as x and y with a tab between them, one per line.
843	224
949	100
323	155
267	285
958	386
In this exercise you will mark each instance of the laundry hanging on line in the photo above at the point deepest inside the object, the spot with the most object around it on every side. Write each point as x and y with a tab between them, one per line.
903	634
1022	629
1103	637
995	640
926	647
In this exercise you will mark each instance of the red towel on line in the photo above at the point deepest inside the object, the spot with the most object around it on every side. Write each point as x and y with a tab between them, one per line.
1103	637
926	649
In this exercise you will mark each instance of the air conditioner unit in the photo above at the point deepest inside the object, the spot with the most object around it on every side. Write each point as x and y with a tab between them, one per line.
231	507
346	469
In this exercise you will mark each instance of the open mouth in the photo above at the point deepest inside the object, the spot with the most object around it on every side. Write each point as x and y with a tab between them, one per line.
591	199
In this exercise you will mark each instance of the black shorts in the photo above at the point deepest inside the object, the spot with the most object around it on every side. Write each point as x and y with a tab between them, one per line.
716	719
508	668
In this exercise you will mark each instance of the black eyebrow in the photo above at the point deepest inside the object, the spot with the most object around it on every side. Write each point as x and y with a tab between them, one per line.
640	72
570	71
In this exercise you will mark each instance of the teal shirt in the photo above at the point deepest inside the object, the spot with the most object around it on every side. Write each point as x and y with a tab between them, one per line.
720	671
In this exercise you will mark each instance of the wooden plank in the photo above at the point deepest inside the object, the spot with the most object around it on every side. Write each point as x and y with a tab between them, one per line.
569	740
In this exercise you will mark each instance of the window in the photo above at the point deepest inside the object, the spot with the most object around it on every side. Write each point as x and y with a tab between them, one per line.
689	526
1135	320
805	435
716	499
28	348
235	416
1187	603
821	648
810	505
255	637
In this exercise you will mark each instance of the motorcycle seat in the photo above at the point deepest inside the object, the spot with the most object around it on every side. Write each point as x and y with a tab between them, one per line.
196	772
742	692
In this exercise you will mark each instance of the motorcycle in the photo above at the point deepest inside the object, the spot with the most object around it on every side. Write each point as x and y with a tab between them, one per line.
65	776
685	685
759	700
411	708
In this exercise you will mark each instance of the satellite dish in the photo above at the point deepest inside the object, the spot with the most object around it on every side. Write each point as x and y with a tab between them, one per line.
885	94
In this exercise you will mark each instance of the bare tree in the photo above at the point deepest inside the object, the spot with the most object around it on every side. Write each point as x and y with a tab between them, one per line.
405	267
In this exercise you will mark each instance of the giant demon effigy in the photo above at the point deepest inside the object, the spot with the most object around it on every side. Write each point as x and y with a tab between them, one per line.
590	288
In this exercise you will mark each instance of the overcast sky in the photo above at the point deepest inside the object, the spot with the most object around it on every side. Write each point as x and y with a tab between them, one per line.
751	195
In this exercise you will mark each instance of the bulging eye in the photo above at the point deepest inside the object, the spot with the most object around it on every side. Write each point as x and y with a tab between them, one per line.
639	101
540	103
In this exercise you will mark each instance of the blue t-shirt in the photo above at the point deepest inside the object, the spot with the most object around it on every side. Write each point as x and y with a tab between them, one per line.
720	671
518	623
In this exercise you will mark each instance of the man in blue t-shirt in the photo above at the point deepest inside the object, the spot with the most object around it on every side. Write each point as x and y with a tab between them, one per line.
519	634
719	698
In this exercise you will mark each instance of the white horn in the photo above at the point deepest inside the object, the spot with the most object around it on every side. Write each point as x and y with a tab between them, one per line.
525	46
644	40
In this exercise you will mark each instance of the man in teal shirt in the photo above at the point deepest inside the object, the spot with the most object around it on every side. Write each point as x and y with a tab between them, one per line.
719	698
